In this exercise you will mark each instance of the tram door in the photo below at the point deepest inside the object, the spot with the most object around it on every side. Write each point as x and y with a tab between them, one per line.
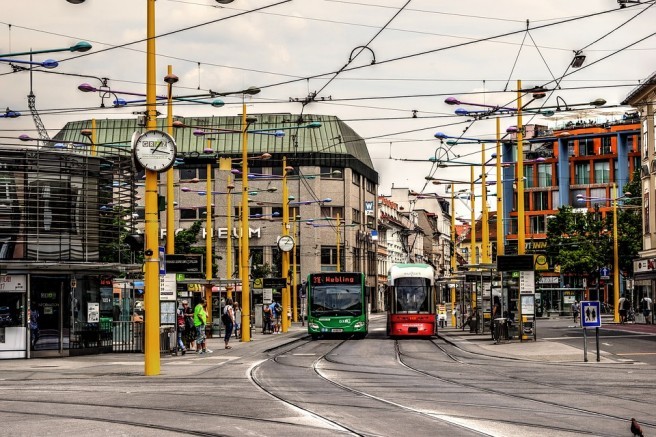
49	317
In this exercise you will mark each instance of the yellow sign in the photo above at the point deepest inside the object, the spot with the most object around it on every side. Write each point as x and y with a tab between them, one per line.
258	283
541	262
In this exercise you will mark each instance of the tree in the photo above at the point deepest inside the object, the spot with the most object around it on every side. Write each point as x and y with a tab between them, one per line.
581	243
577	243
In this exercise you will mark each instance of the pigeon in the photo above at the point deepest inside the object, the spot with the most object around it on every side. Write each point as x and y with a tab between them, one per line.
635	428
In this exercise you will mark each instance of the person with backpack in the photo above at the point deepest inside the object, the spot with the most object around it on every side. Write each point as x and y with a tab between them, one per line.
646	304
228	319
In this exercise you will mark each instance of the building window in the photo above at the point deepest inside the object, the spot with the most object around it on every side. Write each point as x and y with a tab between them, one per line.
570	148
329	258
586	147
355	178
255	210
605	146
540	200
357	262
537	225
582	174
573	199
187	174
276	171
528	177
192	213
371	187
356	216
645	208
555	199
544	175
332	173
256	170
332	211
602	172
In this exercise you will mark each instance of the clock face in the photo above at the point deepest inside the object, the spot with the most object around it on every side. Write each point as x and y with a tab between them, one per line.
155	150
286	243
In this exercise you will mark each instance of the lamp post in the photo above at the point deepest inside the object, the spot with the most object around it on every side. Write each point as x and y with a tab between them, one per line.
285	255
500	235
454	263
521	223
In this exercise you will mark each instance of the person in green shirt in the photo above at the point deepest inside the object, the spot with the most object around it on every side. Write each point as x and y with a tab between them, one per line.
200	320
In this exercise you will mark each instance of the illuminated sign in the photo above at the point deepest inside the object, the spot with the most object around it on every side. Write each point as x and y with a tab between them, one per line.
336	278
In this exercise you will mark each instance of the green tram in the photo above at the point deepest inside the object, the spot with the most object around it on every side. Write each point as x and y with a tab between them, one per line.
337	304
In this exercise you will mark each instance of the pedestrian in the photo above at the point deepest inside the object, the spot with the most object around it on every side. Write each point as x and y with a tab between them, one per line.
200	321
646	305
276	314
237	327
189	336
455	315
267	325
623	309
180	328
228	319
575	310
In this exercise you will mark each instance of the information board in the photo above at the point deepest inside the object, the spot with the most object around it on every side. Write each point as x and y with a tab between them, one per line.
590	315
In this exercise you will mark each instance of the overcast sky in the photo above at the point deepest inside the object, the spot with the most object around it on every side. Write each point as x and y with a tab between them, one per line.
425	51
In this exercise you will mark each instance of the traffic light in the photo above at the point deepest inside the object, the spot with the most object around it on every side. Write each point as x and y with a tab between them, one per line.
161	203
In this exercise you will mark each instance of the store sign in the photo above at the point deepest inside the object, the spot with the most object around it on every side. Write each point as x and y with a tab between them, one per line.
368	208
13	283
644	265
549	280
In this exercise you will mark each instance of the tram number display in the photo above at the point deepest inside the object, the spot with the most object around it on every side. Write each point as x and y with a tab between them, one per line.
336	278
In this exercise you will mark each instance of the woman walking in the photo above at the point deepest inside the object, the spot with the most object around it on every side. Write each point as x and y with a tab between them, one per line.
229	322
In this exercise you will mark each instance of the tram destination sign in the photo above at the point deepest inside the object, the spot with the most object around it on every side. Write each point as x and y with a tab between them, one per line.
336	278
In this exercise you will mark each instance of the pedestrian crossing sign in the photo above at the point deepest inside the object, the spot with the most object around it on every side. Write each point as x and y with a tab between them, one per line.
590	315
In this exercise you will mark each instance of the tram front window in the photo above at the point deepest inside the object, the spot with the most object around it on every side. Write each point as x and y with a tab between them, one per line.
411	295
336	301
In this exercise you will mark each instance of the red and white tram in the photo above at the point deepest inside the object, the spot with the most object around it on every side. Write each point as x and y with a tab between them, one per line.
411	301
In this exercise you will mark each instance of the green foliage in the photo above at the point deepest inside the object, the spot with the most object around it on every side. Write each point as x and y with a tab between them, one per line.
186	242
582	243
261	271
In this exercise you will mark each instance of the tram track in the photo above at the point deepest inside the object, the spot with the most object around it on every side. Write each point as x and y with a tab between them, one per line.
581	412
548	384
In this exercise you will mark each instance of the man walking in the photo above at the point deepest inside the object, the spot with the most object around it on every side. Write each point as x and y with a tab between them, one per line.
200	321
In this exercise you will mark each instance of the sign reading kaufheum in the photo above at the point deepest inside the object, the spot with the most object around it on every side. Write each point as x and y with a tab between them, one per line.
184	264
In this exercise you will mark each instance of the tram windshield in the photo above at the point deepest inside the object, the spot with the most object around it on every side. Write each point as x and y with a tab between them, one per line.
336	300
411	295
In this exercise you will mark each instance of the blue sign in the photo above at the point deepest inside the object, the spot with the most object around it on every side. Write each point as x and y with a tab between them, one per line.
604	273
590	315
162	261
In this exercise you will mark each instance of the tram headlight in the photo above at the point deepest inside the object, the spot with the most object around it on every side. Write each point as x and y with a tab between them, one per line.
358	325
313	326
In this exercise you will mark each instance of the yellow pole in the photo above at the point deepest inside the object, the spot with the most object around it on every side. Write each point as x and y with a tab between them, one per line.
472	232
338	244
208	243
229	241
485	225
151	276
243	248
285	255
500	237
294	276
170	232
616	261
521	226
454	261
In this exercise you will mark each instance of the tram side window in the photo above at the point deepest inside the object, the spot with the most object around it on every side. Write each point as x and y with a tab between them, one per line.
411	295
11	310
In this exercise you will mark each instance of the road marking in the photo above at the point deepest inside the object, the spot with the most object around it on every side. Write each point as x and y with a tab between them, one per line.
638	353
304	355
